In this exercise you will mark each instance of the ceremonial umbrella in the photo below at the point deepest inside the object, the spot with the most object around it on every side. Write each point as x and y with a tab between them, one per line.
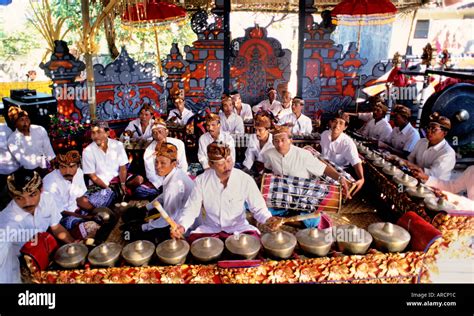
363	12
152	14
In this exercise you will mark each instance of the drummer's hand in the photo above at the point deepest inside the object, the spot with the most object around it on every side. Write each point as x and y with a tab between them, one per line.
358	185
177	233
345	187
273	222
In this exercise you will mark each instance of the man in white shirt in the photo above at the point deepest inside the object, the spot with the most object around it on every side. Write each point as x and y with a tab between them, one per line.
285	106
376	126
230	122
259	143
160	135
214	133
30	212
105	162
177	187
285	159
241	109
339	148
268	104
465	182
300	123
29	144
222	192
432	154
181	114
404	136
139	129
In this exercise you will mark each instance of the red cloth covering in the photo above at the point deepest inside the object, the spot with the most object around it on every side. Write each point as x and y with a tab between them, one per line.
398	79
423	234
40	248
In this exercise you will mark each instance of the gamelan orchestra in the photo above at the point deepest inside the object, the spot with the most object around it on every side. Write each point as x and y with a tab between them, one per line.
265	185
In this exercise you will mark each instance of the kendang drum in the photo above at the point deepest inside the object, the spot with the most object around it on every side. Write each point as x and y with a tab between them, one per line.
300	195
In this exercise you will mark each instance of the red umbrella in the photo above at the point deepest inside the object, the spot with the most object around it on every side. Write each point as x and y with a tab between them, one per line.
363	12
152	14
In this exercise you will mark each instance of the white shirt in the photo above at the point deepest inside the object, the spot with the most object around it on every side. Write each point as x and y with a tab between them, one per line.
342	151
232	124
31	151
380	130
301	125
149	158
207	139
298	162
281	112
245	112
63	191
437	161
265	105
20	227
177	187
135	126
8	164
187	114
254	152
465	182
105	165
224	207
405	139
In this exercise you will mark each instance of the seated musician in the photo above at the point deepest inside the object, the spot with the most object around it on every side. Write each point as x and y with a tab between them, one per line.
214	133
285	159
376	127
221	192
160	135
177	187
180	115
300	123
432	154
242	109
259	143
139	129
66	185
462	183
31	211
268	104
285	106
105	162
29	143
230	121
404	136
338	147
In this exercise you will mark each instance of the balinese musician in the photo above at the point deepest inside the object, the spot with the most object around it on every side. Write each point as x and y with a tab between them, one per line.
222	192
180	115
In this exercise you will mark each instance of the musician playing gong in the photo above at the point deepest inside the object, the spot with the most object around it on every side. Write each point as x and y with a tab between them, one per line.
284	108
338	147
268	104
242	109
181	114
376	126
177	187
433	155
222	192
300	123
230	121
214	133
259	143
404	136
31	211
